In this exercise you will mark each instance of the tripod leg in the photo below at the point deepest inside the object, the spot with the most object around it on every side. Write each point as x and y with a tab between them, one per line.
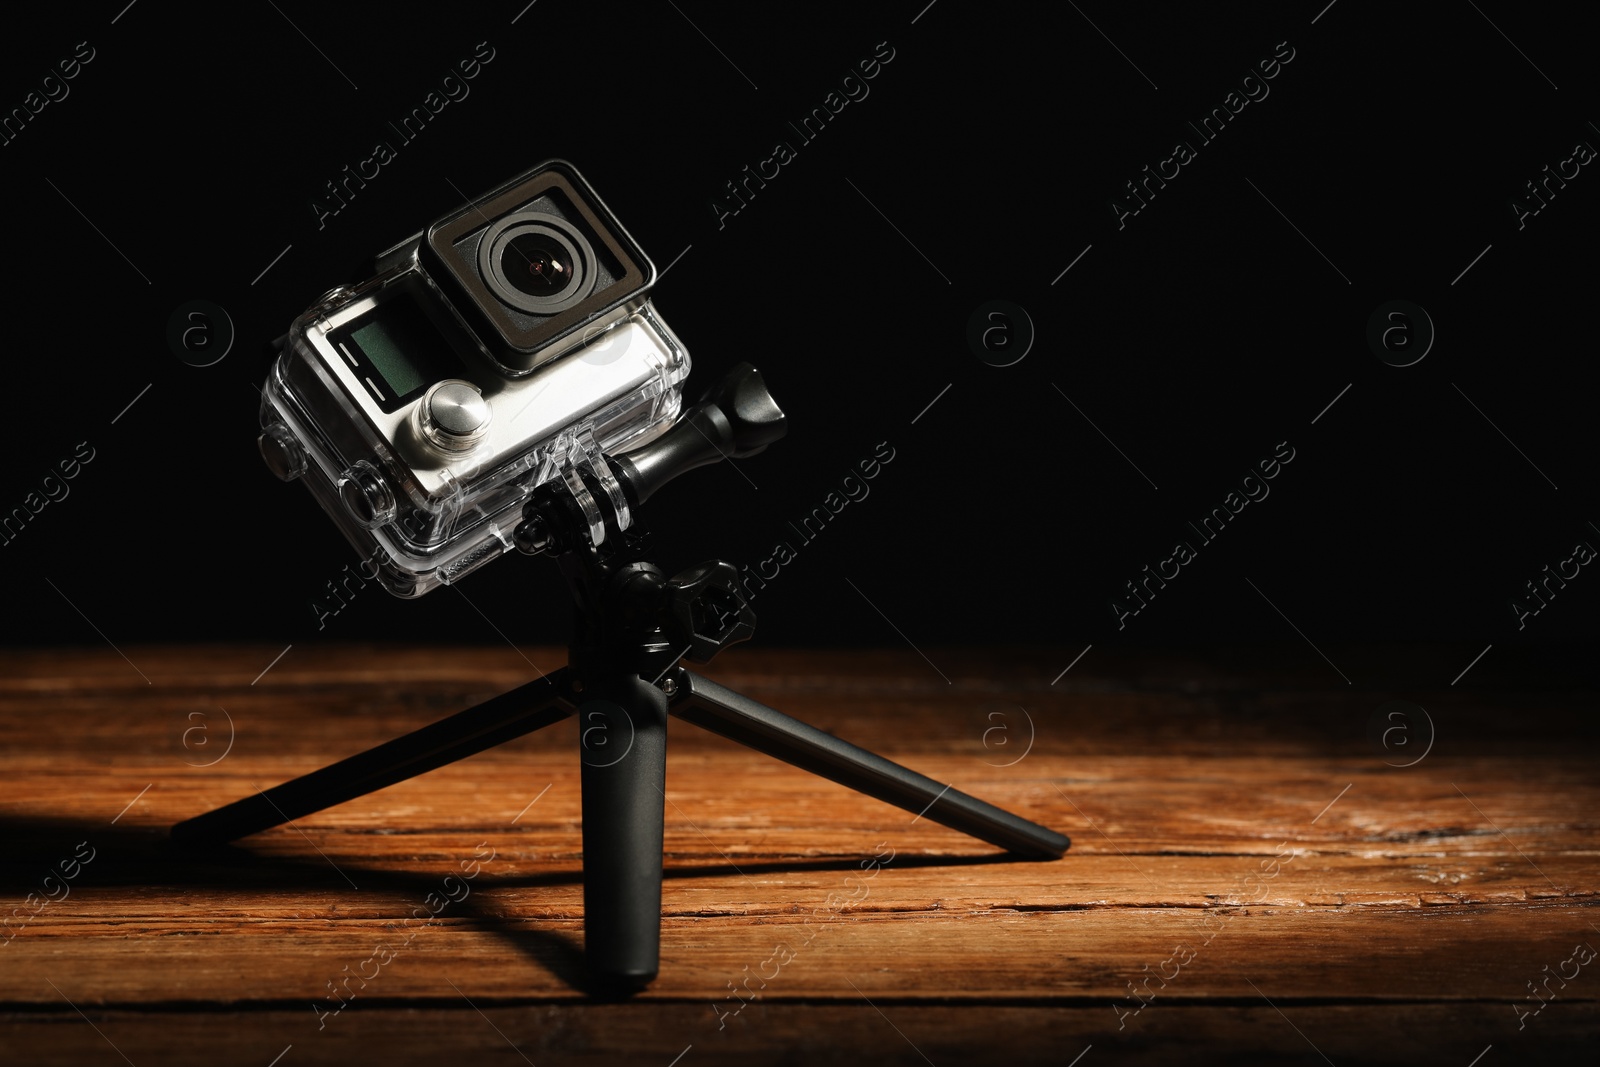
735	716
623	744
523	710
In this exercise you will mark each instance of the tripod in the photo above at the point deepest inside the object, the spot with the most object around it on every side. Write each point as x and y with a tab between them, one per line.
624	676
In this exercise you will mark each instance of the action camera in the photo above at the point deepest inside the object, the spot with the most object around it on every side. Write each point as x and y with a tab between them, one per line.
511	343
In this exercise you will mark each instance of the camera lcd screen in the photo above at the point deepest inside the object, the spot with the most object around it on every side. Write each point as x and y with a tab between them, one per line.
377	339
397	351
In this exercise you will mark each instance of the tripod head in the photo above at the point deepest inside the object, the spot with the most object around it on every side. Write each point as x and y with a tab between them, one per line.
586	518
594	502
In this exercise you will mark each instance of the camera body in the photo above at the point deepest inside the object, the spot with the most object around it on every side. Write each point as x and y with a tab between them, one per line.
511	343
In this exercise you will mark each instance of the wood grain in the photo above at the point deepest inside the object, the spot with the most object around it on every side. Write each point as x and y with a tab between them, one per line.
1246	868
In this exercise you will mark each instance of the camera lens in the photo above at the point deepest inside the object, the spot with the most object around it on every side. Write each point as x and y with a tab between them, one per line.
534	263
537	262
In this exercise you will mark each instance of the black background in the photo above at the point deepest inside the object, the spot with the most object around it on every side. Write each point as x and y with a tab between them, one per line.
1196	338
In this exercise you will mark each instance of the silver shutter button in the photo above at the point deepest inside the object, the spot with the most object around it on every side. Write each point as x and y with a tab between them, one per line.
453	415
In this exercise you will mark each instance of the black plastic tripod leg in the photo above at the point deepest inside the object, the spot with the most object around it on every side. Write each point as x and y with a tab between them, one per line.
523	710
622	737
735	716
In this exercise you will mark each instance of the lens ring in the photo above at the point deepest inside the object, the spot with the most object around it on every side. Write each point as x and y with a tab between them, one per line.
557	239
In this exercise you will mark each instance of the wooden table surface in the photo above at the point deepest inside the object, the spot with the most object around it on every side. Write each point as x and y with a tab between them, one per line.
1254	876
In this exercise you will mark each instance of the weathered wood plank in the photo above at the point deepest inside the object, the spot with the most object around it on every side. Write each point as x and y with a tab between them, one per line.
740	803
1440	953
881	1032
532	883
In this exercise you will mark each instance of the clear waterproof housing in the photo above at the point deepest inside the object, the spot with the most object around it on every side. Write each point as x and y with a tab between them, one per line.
509	344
